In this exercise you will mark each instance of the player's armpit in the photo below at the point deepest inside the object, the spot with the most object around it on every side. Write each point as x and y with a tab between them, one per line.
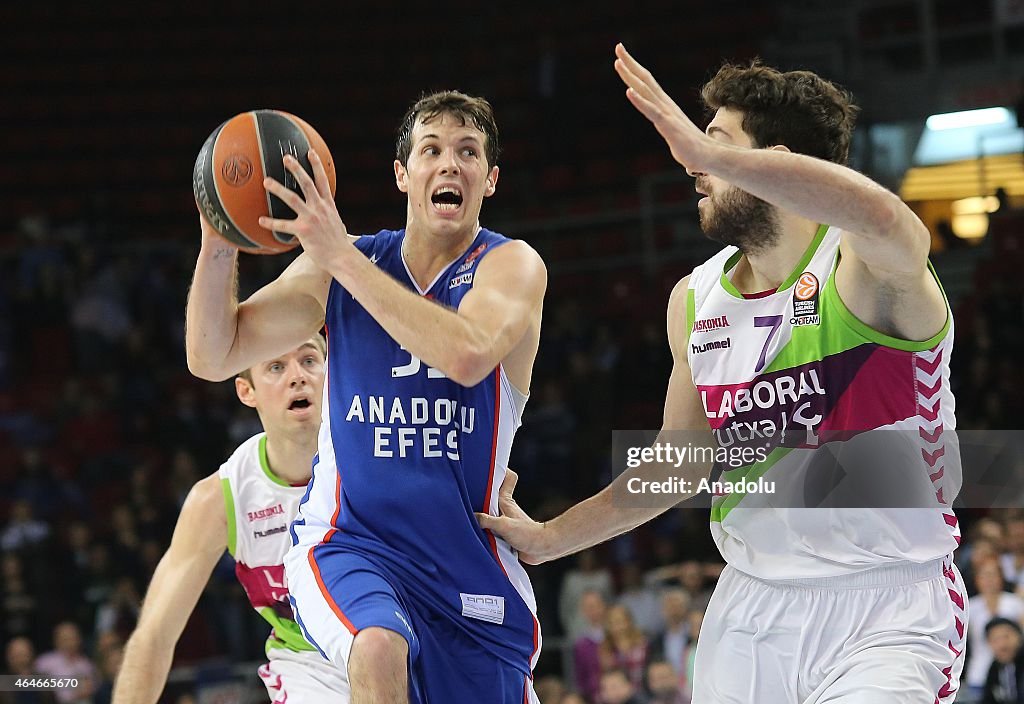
905	305
506	299
200	538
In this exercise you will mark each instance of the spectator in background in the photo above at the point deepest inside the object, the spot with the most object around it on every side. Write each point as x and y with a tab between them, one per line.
695	577
119	613
991	600
571	698
663	684
670	644
1012	560
98	584
1005	681
624	646
589	575
617	688
76	553
21	615
126	544
100	318
982	552
549	689
641	599
23	531
67	660
110	665
586	650
19	655
985	529
694	619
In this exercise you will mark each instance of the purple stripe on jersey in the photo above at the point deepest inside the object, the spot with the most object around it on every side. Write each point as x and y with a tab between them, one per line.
843	394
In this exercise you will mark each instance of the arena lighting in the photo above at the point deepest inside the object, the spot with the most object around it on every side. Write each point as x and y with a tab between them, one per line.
969	118
975	205
971	226
970	216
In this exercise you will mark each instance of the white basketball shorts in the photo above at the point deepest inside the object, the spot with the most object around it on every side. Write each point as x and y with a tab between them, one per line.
303	678
889	635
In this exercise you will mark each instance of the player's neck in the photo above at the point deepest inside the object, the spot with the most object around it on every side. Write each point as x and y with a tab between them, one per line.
426	254
291	456
766	269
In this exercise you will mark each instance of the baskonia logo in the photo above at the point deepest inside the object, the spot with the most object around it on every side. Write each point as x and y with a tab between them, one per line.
264	513
710	324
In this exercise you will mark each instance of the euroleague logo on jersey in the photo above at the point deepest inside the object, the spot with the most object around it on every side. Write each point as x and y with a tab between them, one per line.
805	301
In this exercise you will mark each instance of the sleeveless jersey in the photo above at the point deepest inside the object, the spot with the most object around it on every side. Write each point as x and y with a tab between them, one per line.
259	507
407	456
797	364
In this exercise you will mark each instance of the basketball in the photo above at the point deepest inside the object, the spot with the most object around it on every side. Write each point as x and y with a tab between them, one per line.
227	181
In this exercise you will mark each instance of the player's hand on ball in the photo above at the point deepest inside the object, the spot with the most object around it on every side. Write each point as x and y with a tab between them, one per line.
317	224
515	526
689	145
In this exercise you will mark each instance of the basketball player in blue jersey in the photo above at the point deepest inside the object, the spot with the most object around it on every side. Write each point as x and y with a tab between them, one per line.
432	333
821	313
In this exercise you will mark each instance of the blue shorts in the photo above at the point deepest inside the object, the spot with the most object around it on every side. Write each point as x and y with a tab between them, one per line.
336	593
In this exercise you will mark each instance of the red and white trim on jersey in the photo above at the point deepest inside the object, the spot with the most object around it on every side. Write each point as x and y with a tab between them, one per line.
957	641
928	383
506	421
326	593
274	685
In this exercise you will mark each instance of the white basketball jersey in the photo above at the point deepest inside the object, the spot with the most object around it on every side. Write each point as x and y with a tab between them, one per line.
797	362
260	506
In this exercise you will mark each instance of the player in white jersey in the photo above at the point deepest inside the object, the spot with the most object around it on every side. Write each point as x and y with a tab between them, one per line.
245	507
819	326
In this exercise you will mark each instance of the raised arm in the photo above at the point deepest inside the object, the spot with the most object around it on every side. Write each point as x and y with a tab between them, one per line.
467	344
604	515
200	538
882	230
223	336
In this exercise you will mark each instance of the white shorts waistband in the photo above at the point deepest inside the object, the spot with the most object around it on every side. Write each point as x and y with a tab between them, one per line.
891	575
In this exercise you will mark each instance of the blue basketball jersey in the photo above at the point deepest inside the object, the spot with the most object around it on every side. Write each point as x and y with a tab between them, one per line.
407	456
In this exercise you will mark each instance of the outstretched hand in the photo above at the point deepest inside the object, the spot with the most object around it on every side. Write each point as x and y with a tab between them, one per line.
514	525
317	224
689	145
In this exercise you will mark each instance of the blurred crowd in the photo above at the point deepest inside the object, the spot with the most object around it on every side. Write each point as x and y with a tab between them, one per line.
105	432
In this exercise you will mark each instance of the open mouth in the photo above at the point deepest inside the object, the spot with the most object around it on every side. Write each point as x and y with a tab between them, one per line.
299	404
446	198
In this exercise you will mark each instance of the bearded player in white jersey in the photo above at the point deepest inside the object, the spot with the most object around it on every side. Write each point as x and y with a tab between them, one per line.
820	323
244	507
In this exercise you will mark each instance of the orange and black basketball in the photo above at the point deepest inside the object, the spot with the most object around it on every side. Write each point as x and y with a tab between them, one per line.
228	177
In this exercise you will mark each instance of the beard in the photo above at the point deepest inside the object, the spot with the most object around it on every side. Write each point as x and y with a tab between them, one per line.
735	217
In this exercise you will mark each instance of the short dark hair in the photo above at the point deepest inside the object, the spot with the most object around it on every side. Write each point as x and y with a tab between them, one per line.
469	109
798	109
1000	621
